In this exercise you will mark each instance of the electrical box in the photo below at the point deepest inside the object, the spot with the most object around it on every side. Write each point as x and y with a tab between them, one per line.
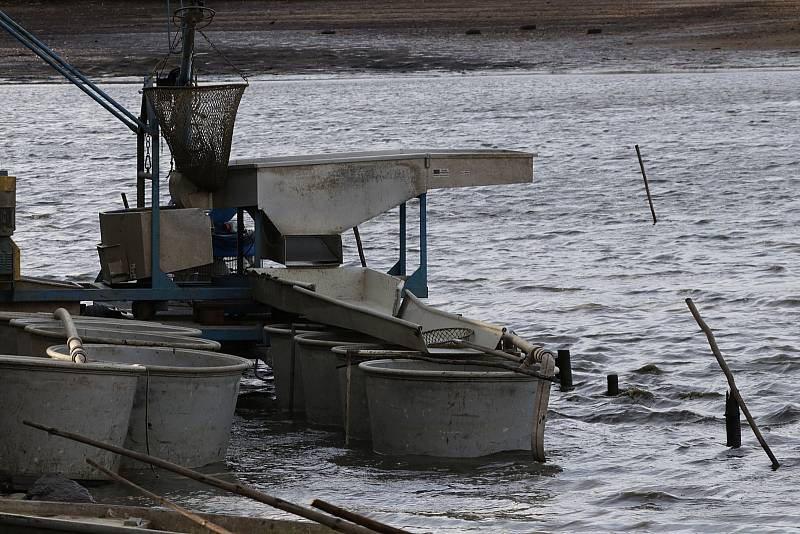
185	239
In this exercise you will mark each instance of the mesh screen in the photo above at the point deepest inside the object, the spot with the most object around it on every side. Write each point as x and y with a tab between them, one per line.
197	123
443	336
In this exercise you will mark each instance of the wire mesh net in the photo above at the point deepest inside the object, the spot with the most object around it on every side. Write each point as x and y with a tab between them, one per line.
197	123
443	336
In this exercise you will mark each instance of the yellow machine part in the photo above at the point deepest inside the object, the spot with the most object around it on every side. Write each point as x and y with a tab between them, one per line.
16	260
8	184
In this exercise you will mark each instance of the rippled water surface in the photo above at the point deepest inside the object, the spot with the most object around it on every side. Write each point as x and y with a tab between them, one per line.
572	261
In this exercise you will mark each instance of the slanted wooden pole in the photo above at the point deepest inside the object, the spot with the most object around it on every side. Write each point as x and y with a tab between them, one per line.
194	518
360	246
731	382
335	523
355	518
646	185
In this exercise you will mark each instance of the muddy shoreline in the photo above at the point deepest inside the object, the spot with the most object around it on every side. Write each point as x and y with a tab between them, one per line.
112	39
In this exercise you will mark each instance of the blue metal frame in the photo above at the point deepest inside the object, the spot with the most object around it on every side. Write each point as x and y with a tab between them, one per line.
417	283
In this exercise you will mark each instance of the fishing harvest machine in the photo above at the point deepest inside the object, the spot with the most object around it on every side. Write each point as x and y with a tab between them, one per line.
300	206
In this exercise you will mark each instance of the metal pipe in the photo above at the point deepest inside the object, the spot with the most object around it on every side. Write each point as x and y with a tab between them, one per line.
533	353
187	52
74	342
69	76
50	52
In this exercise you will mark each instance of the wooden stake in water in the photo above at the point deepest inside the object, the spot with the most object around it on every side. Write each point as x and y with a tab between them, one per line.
646	185
731	383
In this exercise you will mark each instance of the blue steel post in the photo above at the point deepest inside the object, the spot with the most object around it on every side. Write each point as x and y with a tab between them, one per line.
402	239
258	227
399	268
158	278
423	234
417	283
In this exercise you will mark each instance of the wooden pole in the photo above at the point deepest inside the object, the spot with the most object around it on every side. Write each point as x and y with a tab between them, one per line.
245	491
731	383
355	518
205	523
646	185
360	246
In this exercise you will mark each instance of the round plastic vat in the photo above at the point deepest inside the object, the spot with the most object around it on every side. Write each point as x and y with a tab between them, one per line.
285	366
358	422
93	399
320	376
36	338
184	402
447	410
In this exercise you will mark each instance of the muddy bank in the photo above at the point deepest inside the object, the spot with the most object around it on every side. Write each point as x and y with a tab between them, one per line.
264	37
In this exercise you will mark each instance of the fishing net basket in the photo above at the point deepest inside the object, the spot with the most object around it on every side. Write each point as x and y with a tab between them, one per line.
444	336
197	123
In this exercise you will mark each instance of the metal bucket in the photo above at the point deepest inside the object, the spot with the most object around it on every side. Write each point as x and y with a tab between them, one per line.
285	366
35	339
93	399
320	376
447	410
357	425
184	403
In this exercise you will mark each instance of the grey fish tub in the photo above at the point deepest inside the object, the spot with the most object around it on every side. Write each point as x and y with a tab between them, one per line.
320	376
184	403
285	365
353	391
448	410
93	399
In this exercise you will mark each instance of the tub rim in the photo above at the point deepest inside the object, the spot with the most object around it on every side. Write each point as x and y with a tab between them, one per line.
61	352
372	367
39	317
190	342
99	367
307	339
